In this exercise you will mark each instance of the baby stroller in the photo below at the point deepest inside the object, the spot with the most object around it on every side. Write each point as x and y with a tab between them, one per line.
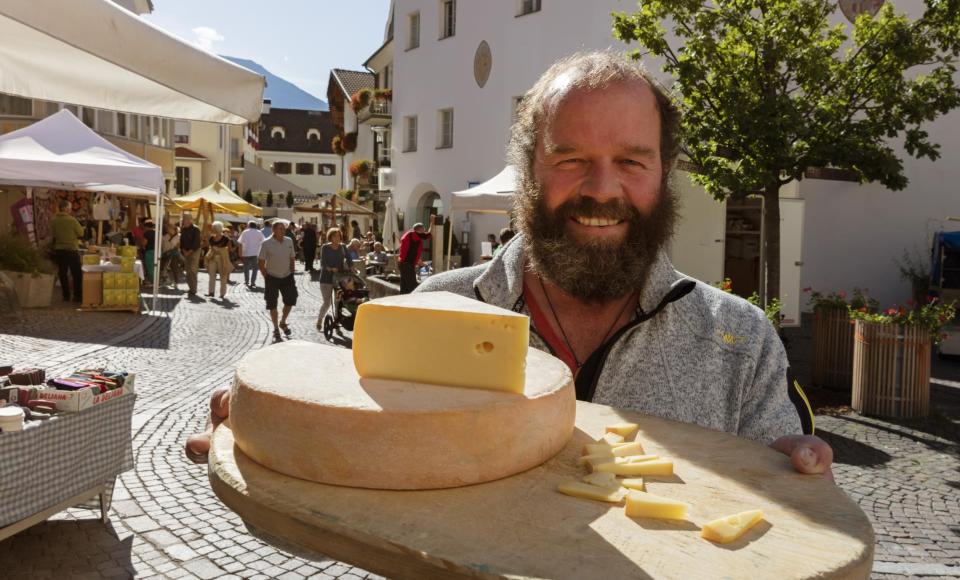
349	292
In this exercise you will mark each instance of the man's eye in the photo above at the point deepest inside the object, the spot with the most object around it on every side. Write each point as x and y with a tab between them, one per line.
632	163
572	161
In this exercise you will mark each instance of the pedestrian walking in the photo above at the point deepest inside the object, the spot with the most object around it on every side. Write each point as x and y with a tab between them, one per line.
276	263
333	260
67	232
218	260
170	259
190	250
309	245
411	247
250	241
149	248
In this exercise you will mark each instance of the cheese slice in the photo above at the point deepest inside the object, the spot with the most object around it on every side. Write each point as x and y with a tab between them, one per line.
632	483
612	438
441	338
602	480
587	491
729	528
646	505
623	429
598	448
651	467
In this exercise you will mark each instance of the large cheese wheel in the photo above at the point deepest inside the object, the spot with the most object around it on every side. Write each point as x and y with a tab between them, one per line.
301	409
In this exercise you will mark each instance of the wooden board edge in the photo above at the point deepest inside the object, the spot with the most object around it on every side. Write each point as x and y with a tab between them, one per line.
380	557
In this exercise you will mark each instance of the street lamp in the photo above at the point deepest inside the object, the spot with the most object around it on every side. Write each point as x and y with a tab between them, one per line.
378	131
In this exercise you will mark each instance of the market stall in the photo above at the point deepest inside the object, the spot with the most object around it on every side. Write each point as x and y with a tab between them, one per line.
212	199
61	153
493	197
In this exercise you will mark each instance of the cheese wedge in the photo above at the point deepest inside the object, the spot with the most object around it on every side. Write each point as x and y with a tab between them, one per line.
441	338
640	458
602	480
729	528
623	429
646	505
596	458
612	438
587	491
630	483
652	467
598	448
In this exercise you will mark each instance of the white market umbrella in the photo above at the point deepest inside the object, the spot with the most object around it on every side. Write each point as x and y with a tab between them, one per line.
391	234
96	54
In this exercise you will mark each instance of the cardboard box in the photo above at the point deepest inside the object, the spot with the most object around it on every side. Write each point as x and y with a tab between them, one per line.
73	401
126	264
130	281
132	297
109	280
92	288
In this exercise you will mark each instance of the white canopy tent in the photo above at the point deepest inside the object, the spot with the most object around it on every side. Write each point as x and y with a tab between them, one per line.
60	152
97	54
494	196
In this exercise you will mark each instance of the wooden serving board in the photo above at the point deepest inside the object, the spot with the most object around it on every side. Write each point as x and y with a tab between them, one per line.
521	527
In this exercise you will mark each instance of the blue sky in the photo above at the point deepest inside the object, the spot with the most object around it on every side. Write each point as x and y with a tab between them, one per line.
299	40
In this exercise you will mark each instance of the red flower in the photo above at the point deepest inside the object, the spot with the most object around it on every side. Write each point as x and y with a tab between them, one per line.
842	294
891	312
862	309
808	289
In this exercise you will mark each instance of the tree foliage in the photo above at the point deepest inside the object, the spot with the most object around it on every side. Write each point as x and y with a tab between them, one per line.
769	88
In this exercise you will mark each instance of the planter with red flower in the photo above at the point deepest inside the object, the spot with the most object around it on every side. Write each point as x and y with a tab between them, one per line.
891	358
833	335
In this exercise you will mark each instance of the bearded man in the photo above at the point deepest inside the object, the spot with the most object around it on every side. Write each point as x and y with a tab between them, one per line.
593	146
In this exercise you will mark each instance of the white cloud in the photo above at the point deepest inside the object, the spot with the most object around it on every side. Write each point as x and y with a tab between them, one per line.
204	37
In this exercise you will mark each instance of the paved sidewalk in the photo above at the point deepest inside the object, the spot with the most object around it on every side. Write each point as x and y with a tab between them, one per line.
166	522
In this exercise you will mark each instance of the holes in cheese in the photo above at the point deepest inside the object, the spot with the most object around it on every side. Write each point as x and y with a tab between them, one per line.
646	505
587	491
633	483
602	480
729	528
650	467
623	429
441	338
612	438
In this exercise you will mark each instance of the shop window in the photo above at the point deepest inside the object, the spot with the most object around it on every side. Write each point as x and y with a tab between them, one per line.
183	180
281	168
326	169
16	106
304	168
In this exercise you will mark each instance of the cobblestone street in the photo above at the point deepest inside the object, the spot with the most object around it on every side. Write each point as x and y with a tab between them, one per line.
166	522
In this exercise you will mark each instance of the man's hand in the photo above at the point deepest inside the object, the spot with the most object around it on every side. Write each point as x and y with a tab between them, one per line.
198	446
808	454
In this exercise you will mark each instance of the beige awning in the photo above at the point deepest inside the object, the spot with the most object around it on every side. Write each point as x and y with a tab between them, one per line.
94	53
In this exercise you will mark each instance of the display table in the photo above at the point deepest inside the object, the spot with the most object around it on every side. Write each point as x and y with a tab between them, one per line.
95	294
64	461
521	527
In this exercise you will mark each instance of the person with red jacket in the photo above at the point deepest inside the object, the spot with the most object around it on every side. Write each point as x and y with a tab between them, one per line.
411	247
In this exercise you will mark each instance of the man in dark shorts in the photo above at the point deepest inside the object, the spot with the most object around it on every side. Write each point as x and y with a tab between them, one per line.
276	263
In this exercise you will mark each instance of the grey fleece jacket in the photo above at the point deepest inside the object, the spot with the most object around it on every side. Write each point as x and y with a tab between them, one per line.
709	358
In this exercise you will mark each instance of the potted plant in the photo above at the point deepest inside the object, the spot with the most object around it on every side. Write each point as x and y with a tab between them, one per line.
29	270
833	335
350	142
383	94
891	358
360	99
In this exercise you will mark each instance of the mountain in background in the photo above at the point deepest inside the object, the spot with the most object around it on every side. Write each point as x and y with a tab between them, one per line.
282	93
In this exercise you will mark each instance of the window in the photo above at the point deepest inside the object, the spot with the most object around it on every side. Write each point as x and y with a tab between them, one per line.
16	106
304	168
448	18
314	133
410	139
386	78
134	127
326	169
445	126
181	132
221	135
50	108
514	107
183	180
105	122
278	132
122	124
413	31
281	168
89	117
528	6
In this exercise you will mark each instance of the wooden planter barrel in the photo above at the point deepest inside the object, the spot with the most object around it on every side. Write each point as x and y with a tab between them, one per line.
891	370
832	347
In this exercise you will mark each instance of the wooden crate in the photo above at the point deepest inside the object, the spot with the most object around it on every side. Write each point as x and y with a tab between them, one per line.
832	348
891	370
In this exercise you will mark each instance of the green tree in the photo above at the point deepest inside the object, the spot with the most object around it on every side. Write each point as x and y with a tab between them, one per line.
769	88
269	198
289	199
248	196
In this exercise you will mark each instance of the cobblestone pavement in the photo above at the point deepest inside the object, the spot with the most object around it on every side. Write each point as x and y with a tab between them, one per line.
166	522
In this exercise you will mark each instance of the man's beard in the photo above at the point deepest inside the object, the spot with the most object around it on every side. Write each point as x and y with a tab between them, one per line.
594	270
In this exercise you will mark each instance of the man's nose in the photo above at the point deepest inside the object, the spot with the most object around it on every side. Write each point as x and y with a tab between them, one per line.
603	182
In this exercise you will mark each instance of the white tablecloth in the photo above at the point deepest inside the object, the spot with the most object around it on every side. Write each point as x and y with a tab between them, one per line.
137	267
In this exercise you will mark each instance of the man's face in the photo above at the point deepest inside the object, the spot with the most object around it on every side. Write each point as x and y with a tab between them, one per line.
278	230
600	209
